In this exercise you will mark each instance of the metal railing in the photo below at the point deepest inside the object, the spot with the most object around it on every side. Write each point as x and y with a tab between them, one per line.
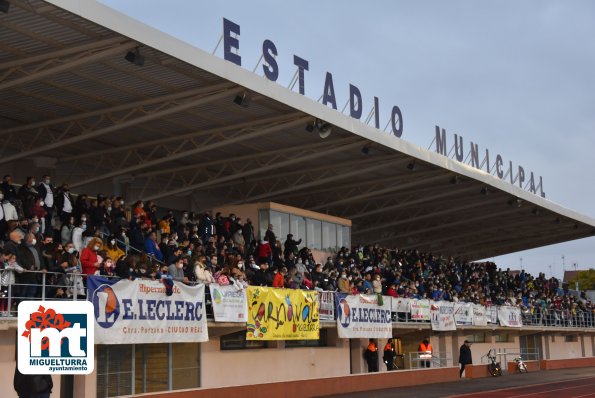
421	360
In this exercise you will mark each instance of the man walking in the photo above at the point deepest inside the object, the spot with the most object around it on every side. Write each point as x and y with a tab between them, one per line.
465	356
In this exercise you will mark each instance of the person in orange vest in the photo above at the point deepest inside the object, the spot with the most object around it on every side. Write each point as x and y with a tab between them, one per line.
371	356
425	352
389	355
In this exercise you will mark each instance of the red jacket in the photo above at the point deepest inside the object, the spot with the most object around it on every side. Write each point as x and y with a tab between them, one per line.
88	260
264	250
279	280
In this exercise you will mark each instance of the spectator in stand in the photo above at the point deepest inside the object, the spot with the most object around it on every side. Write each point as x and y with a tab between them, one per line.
269	236
151	246
90	259
81	206
262	277
291	246
27	194
64	203
8	212
8	189
77	235
46	193
264	252
29	257
176	271
113	250
201	271
279	279
249	237
67	230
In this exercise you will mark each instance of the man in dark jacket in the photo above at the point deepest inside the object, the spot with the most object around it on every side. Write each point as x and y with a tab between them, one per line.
465	356
371	356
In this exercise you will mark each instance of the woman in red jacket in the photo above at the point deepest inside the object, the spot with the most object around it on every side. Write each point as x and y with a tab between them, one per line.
90	261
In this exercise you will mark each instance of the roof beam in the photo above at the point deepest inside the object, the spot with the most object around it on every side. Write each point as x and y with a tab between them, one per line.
237	138
357	171
128	123
259	170
70	64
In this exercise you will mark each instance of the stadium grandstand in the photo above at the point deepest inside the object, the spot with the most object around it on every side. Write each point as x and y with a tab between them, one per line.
135	163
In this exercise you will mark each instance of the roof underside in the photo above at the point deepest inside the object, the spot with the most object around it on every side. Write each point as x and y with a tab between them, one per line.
169	129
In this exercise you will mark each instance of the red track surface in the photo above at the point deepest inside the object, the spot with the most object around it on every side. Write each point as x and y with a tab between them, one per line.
578	388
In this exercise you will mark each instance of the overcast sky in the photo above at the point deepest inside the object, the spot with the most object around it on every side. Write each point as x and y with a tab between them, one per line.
517	77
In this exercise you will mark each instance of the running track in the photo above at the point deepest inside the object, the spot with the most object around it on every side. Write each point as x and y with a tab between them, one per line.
581	388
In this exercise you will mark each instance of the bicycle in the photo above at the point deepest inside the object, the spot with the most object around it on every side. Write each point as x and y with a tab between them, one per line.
494	367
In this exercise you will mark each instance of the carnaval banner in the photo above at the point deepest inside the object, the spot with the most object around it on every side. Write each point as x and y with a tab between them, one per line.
442	313
400	304
510	316
229	303
361	316
140	311
282	314
492	314
464	313
420	310
479	315
327	306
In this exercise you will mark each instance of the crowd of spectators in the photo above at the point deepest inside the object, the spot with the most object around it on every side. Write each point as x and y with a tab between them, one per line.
45	229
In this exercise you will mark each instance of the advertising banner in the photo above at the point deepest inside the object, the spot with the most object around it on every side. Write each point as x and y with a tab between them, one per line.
420	310
282	314
443	318
361	316
140	311
510	316
400	304
479	315
327	306
464	313
492	313
229	303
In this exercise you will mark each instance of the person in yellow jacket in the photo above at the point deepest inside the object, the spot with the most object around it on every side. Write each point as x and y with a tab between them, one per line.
112	249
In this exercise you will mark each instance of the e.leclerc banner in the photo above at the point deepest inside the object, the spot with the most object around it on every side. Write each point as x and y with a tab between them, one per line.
139	311
361	316
282	314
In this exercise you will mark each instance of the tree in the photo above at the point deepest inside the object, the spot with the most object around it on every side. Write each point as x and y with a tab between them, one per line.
585	279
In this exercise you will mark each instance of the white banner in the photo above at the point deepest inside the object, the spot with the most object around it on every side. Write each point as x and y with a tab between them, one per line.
442	313
479	315
229	303
510	316
326	309
360	316
464	313
140	311
492	314
420	310
400	304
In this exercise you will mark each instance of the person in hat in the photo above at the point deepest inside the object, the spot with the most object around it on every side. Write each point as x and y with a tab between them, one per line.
465	357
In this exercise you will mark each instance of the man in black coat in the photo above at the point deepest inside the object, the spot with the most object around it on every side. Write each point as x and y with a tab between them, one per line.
465	357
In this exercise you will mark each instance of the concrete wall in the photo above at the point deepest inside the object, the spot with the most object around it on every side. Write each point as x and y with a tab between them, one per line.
265	365
561	349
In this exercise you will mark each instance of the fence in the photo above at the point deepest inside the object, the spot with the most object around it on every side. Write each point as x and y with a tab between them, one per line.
69	286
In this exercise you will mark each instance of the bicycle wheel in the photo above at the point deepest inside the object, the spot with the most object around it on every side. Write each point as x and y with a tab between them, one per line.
493	369
522	368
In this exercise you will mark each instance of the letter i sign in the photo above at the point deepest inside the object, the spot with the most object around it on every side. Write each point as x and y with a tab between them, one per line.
55	337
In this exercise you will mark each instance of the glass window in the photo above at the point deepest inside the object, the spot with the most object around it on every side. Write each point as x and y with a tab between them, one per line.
263	222
346	236
477	338
314	234
280	223
340	243
237	341
502	338
297	226
185	365
329	236
114	370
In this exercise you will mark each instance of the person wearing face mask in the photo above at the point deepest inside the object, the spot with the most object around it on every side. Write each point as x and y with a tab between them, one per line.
90	259
343	283
151	246
64	203
77	235
46	194
66	231
112	249
27	194
176	270
29	257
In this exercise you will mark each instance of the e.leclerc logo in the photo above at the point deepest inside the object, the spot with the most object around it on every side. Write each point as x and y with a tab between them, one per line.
55	337
106	306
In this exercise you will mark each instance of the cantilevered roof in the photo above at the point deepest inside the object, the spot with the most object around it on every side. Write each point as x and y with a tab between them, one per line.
169	129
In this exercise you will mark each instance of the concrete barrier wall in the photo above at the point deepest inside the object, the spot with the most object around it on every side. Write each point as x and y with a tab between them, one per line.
552	364
321	387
